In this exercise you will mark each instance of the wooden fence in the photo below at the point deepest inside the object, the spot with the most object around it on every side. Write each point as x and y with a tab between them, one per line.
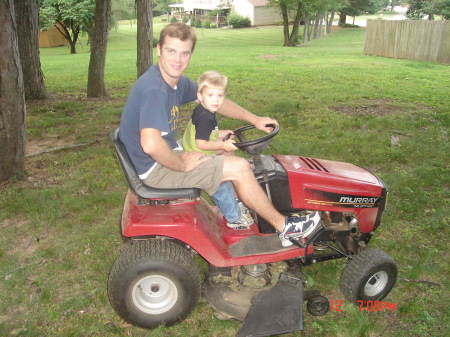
409	39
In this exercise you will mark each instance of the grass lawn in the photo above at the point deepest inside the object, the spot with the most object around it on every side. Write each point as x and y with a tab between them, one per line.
59	227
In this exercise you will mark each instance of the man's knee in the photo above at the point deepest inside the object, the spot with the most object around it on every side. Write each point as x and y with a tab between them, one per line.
236	167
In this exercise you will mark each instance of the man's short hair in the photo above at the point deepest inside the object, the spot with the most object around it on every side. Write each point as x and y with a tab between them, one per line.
212	79
179	30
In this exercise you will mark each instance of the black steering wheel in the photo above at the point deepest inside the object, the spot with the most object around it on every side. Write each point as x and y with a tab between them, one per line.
255	146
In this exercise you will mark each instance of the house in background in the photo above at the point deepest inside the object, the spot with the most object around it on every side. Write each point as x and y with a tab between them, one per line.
51	37
256	10
201	9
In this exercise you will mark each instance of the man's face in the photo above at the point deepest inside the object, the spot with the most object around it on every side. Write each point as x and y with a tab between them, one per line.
174	57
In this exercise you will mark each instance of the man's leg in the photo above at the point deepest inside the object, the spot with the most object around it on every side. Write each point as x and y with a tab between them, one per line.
238	171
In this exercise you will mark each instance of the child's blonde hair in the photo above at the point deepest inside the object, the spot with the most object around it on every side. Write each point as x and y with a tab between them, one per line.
212	79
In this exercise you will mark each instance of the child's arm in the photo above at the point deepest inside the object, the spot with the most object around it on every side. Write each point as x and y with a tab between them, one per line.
224	133
208	145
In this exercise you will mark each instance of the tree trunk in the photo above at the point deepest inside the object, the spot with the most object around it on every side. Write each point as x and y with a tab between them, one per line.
295	27
27	19
284	15
342	19
330	23
305	30
61	27
144	35
317	25
99	41
12	98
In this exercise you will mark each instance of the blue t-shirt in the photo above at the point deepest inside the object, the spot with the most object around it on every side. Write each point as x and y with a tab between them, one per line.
152	103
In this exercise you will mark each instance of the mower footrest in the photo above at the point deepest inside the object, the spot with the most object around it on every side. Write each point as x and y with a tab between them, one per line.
275	311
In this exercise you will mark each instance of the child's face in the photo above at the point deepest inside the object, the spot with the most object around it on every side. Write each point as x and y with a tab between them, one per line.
211	98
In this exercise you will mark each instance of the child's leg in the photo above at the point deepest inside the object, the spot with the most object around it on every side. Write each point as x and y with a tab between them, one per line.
225	200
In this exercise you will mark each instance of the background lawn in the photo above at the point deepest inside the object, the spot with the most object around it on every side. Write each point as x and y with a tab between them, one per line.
59	227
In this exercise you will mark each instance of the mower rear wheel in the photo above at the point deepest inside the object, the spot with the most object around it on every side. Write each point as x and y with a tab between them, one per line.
154	282
369	276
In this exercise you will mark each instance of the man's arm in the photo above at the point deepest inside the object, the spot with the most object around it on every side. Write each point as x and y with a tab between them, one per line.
233	110
155	146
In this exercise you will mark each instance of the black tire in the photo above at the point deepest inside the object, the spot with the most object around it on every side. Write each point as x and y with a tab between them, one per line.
154	282
369	276
318	305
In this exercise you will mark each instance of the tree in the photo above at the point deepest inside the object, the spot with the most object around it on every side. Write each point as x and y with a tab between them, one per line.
419	9
311	12
163	6
99	40
27	19
356	7
123	10
442	8
12	98
286	7
144	35
70	17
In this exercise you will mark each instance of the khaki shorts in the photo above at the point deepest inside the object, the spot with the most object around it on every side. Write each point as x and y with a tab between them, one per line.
207	176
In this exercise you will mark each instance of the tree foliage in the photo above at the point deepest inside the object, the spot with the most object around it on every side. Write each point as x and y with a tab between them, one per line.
420	9
123	9
358	7
70	17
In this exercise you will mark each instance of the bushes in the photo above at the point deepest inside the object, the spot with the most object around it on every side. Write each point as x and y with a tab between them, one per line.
348	25
197	23
238	21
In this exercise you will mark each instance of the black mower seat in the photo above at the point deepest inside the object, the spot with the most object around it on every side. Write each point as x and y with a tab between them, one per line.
138	186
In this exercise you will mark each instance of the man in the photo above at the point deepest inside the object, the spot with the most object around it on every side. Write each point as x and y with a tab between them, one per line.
149	125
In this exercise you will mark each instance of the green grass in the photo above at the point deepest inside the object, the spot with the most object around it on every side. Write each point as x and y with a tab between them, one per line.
60	231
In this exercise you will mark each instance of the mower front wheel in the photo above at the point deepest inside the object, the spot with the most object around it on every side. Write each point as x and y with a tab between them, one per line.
154	282
369	276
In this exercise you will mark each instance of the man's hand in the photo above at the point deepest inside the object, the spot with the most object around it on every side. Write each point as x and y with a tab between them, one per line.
262	123
193	159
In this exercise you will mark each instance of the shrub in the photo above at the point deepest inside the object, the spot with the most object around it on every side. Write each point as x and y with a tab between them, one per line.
155	42
212	25
207	24
173	19
198	23
348	25
238	21
184	19
192	21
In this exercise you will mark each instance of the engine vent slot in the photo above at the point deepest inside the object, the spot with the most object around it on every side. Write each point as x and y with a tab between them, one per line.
313	164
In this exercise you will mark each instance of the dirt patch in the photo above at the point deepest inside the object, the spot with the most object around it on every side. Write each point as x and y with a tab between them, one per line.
371	108
267	57
26	244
